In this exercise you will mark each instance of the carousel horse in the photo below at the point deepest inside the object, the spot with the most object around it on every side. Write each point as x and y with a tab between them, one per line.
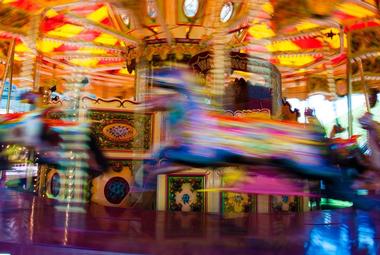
373	129
37	131
370	178
204	137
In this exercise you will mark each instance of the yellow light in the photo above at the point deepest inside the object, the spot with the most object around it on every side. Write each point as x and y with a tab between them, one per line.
371	2
8	1
47	46
90	50
21	47
17	57
66	31
233	175
306	26
283	46
260	31
98	15
355	10
268	8
106	39
295	61
88	62
301	70
125	71
51	13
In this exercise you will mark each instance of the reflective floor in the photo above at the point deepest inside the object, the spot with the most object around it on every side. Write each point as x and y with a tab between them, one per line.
30	225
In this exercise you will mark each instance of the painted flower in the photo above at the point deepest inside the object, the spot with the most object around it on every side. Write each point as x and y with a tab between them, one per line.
236	202
186	197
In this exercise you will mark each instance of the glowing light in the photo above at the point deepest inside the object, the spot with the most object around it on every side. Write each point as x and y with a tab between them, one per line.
226	12
66	31
355	10
51	13
91	50
47	46
335	203
190	7
283	46
89	62
260	31
295	60
98	15
21	47
106	39
268	8
306	26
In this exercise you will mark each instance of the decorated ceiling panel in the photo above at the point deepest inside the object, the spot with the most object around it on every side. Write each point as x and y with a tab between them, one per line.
300	36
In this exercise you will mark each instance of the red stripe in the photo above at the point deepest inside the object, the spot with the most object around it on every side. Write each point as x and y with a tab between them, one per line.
106	22
49	24
55	123
26	5
11	116
88	35
308	43
342	17
63	48
339	59
107	61
362	25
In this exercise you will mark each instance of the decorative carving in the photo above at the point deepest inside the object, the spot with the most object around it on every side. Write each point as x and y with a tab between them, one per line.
120	128
13	18
112	188
55	184
254	113
116	189
117	166
364	41
287	113
238	203
285	204
119	132
183	195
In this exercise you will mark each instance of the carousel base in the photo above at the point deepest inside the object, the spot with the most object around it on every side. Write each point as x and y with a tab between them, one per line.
32	225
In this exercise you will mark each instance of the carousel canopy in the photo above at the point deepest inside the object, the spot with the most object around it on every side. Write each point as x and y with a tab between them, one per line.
106	40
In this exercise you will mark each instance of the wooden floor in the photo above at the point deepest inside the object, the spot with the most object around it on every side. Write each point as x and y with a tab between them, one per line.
31	225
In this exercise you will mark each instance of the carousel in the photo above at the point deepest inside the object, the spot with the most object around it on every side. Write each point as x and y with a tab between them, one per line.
81	134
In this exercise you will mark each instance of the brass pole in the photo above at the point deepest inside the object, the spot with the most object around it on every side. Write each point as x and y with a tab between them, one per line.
364	85
349	88
349	99
37	69
9	56
10	78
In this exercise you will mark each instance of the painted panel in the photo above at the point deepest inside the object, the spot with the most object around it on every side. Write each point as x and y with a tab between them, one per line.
182	193
122	131
112	188
238	203
285	204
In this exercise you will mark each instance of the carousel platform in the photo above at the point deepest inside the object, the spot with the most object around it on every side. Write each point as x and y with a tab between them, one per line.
31	225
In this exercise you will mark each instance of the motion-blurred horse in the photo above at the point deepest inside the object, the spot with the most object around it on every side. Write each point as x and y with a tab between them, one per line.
37	131
204	137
